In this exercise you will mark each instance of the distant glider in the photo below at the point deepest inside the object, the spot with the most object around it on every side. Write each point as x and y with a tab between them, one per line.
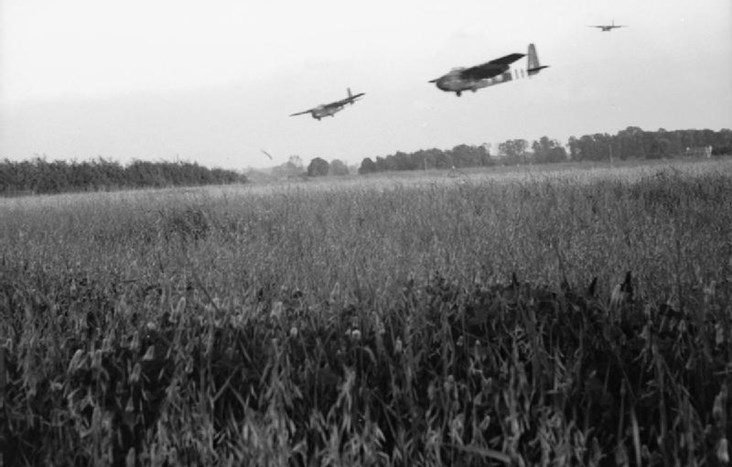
488	74
608	27
325	110
267	154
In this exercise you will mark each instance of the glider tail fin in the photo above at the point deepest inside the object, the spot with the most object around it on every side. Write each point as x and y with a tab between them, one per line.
534	65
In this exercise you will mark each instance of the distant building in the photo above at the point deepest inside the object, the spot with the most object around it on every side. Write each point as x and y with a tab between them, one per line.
699	151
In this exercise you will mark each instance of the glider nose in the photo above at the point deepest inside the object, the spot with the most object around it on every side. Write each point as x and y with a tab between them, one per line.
439	82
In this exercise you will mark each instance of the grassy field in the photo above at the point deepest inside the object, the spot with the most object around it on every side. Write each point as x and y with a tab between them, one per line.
394	319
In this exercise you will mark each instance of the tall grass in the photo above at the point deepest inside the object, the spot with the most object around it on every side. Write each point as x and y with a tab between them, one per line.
372	321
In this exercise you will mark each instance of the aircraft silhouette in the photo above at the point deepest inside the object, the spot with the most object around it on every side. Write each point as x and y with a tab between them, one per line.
488	74
608	27
325	110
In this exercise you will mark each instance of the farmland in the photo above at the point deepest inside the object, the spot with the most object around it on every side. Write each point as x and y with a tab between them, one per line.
390	319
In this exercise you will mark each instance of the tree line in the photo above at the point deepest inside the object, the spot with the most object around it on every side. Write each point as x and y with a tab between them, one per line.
38	176
634	143
631	143
318	167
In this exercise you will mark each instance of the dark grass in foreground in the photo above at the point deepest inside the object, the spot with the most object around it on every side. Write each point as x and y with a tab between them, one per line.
489	374
373	325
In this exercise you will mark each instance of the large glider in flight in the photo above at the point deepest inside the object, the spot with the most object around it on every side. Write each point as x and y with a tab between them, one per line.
488	74
325	110
608	27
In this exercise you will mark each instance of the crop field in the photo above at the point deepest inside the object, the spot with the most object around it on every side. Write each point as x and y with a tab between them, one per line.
579	315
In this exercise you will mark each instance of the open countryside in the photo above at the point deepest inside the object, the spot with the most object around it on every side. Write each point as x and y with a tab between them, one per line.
561	314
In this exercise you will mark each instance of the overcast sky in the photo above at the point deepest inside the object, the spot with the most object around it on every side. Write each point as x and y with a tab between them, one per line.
215	81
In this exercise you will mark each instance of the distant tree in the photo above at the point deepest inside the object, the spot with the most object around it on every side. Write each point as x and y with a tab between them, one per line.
583	149
443	160
381	165
295	162
40	176
486	159
367	166
723	143
466	156
7	176
602	146
629	144
513	151
318	167
660	147
548	150
390	162
402	161
574	150
427	159
338	167
293	167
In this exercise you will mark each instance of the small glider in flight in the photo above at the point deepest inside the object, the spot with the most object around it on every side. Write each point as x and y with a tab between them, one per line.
325	110
488	74
608	27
